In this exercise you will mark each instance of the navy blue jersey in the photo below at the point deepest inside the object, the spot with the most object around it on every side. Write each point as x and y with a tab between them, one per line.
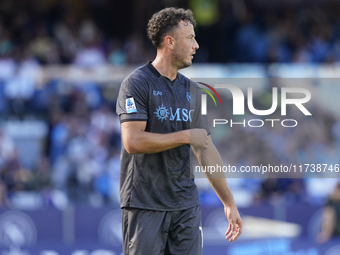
159	181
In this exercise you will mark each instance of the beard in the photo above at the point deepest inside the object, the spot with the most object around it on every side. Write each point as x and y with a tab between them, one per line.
180	61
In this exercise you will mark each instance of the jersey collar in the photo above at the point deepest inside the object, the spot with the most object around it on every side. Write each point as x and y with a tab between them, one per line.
155	72
153	69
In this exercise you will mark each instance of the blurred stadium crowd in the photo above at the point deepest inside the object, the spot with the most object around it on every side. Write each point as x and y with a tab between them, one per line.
82	149
91	33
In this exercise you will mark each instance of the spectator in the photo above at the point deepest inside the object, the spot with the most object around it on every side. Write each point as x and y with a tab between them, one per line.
330	226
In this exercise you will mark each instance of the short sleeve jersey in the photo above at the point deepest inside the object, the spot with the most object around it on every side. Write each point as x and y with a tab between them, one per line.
159	181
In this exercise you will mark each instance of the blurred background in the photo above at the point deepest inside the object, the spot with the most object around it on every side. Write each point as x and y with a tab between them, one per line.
61	65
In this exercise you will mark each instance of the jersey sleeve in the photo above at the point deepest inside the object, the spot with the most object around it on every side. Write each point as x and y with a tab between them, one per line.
199	120
132	101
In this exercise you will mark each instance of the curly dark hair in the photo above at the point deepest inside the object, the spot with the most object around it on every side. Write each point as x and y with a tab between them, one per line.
166	20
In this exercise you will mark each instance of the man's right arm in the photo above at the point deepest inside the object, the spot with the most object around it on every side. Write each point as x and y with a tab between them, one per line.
137	140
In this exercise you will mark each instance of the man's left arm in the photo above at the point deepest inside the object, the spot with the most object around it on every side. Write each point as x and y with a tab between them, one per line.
211	157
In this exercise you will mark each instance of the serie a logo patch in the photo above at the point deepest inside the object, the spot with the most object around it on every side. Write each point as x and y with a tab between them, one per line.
130	105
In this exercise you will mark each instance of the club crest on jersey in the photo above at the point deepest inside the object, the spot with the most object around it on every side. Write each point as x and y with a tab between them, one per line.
130	105
190	97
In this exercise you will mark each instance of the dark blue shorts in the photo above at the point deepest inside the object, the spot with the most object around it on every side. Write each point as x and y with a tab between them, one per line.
147	232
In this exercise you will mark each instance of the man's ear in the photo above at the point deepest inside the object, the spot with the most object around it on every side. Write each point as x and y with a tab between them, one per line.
169	42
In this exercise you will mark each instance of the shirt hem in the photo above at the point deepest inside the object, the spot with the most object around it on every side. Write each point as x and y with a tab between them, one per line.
159	209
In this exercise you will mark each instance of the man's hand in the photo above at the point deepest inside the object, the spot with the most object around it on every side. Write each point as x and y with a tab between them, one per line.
235	223
199	138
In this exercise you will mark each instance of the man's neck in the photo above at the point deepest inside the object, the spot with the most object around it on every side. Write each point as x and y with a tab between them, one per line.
165	68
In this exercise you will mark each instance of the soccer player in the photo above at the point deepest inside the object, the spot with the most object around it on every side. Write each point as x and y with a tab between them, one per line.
160	119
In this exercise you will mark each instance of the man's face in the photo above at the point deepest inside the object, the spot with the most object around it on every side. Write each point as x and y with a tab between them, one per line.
185	46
